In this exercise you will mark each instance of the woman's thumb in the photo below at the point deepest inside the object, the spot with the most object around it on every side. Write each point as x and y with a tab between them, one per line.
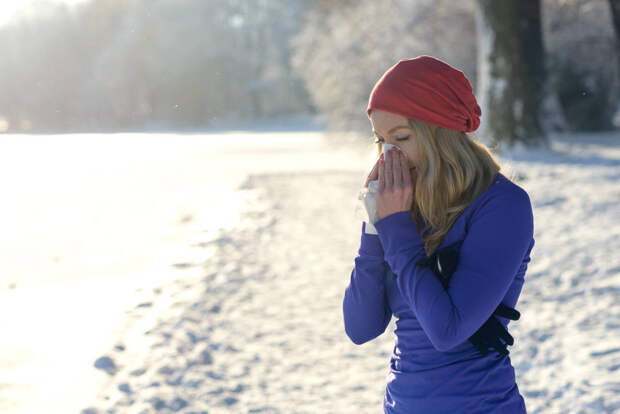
374	173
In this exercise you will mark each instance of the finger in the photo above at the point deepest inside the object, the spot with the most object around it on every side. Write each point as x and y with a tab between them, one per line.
389	176
487	335
405	171
398	175
499	347
374	173
500	331
507	312
381	176
507	337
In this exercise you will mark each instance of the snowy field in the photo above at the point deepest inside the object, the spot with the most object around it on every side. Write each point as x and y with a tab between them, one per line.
245	316
92	226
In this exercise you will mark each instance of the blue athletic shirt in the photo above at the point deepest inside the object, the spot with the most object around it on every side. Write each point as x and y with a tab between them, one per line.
433	366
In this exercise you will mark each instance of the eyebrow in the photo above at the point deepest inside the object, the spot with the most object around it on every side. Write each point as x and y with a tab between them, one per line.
393	129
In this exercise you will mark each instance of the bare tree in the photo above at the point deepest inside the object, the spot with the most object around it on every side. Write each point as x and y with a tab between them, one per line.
345	47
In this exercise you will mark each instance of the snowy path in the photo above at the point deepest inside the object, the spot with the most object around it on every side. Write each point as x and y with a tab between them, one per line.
261	331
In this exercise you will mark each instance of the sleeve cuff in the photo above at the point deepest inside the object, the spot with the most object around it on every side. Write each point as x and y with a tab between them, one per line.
370	244
398	230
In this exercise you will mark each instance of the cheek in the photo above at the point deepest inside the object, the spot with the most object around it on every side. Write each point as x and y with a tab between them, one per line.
415	155
411	156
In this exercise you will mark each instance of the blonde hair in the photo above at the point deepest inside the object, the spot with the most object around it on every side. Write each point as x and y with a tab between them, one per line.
454	169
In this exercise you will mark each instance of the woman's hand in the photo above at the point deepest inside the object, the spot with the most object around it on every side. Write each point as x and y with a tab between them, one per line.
374	173
395	191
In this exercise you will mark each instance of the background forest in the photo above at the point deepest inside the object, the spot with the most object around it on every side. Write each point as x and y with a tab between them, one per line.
159	64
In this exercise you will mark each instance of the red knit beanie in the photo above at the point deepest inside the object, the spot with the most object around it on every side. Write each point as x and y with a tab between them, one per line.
428	90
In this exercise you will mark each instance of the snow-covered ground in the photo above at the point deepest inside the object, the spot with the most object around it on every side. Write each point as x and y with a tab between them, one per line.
93	224
251	321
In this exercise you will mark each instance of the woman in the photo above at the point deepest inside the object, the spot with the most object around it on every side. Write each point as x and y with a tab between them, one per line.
439	191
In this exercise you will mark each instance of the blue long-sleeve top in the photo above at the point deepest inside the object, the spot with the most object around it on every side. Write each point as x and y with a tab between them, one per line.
433	367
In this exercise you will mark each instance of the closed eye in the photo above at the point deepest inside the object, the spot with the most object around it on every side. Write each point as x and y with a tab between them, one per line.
379	140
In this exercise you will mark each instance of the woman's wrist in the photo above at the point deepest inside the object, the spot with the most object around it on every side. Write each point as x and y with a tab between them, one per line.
370	244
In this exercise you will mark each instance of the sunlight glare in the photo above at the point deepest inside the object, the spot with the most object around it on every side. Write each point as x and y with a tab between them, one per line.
13	9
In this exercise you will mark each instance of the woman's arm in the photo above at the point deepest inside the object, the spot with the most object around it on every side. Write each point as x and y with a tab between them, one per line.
499	236
365	308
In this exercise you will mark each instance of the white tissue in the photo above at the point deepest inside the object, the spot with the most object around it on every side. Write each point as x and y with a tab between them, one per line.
368	197
387	147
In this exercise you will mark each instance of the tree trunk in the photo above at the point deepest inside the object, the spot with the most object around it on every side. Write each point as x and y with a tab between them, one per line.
511	72
615	14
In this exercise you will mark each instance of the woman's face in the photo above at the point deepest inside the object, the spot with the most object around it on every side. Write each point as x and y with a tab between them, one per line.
394	129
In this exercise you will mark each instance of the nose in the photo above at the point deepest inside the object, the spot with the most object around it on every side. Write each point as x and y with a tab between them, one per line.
387	147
